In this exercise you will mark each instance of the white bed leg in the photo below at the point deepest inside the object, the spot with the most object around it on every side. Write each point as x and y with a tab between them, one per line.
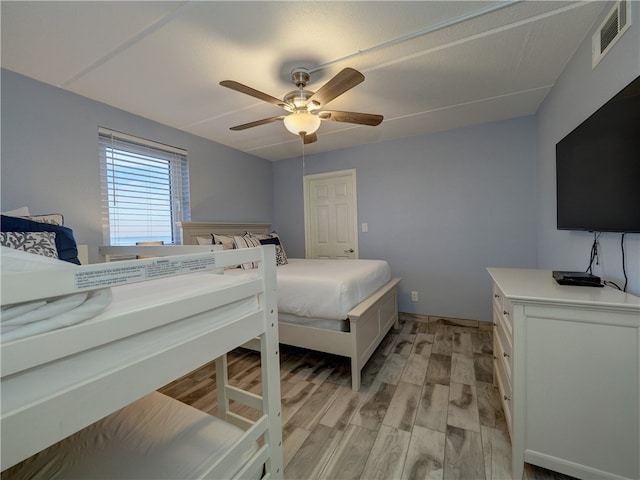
355	374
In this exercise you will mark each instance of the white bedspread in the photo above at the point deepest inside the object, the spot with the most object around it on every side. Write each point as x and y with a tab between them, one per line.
327	289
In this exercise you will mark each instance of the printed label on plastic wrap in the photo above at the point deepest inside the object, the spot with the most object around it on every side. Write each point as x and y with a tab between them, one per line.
162	267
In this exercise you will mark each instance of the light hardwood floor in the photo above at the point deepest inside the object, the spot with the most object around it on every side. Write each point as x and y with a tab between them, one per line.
427	408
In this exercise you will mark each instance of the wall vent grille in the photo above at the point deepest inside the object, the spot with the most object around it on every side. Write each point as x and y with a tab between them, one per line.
614	25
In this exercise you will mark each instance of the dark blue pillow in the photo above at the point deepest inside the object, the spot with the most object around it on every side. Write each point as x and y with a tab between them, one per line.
270	241
65	242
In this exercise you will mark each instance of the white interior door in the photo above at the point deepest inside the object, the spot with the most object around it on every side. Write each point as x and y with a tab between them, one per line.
331	217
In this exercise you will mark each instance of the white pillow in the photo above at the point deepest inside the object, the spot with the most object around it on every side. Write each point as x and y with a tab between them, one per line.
204	240
225	240
18	212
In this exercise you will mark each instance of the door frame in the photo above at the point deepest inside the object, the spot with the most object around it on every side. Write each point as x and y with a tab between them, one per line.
307	179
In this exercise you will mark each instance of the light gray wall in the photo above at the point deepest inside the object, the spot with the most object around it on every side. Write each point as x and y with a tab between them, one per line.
50	160
440	208
578	93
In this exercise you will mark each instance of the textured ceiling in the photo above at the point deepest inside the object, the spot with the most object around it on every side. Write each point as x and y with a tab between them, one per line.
429	66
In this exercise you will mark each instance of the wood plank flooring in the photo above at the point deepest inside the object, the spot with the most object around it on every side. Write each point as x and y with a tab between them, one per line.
427	408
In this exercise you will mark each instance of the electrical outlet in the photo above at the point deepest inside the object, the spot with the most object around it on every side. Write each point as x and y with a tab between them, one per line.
414	296
365	227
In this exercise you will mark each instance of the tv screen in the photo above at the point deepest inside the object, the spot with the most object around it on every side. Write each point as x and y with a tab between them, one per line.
598	168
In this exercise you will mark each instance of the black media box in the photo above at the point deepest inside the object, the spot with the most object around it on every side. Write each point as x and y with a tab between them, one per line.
581	279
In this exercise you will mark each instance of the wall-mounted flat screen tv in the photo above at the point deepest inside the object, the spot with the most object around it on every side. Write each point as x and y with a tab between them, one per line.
598	168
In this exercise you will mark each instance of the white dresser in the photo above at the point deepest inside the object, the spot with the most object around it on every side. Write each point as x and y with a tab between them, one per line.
567	363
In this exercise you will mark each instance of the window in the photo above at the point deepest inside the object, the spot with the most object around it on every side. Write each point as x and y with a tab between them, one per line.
145	189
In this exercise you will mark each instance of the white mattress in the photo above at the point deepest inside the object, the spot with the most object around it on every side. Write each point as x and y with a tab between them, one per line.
154	438
326	289
31	318
135	308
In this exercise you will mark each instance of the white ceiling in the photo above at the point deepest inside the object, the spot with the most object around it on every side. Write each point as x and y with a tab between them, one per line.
429	66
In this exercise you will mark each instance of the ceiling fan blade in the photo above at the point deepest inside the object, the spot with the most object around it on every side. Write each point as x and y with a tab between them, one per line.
343	81
370	119
310	138
257	123
239	87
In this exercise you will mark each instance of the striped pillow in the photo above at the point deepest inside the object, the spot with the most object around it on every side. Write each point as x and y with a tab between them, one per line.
246	241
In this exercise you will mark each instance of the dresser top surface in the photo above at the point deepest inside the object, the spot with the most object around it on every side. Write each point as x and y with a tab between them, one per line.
530	285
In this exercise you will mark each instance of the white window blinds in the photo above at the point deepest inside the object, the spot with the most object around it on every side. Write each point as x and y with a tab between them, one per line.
145	189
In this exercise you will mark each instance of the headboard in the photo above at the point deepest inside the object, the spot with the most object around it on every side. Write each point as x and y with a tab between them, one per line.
192	230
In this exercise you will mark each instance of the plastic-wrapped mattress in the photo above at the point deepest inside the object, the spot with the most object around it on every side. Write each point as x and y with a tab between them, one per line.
38	316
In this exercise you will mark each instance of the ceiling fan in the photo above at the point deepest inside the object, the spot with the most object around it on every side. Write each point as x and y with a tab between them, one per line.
305	107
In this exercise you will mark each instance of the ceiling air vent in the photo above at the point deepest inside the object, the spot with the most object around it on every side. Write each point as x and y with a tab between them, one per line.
617	22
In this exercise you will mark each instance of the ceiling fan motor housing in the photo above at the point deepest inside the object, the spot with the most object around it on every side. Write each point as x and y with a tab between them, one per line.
300	77
299	100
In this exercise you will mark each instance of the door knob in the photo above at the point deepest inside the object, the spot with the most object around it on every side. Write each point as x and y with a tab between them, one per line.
351	250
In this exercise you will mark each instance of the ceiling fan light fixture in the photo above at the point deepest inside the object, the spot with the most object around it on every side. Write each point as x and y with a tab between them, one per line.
299	122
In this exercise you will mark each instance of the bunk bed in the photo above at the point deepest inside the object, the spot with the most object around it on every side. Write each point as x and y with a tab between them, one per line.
94	382
364	325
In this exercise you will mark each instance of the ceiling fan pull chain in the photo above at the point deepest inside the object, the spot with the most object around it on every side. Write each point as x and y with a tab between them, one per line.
303	164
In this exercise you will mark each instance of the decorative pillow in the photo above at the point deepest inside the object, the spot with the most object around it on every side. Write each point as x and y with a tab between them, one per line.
246	241
227	244
265	236
39	243
281	257
284	254
205	240
65	243
225	240
52	218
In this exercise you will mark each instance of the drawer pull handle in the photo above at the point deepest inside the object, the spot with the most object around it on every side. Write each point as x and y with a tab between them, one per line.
505	354
505	312
506	398
495	295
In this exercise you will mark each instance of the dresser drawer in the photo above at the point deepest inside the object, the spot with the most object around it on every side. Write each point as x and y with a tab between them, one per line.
507	314
502	352
498	298
505	340
503	307
505	388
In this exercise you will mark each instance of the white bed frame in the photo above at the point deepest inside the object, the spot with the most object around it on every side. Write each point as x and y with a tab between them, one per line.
59	382
369	321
